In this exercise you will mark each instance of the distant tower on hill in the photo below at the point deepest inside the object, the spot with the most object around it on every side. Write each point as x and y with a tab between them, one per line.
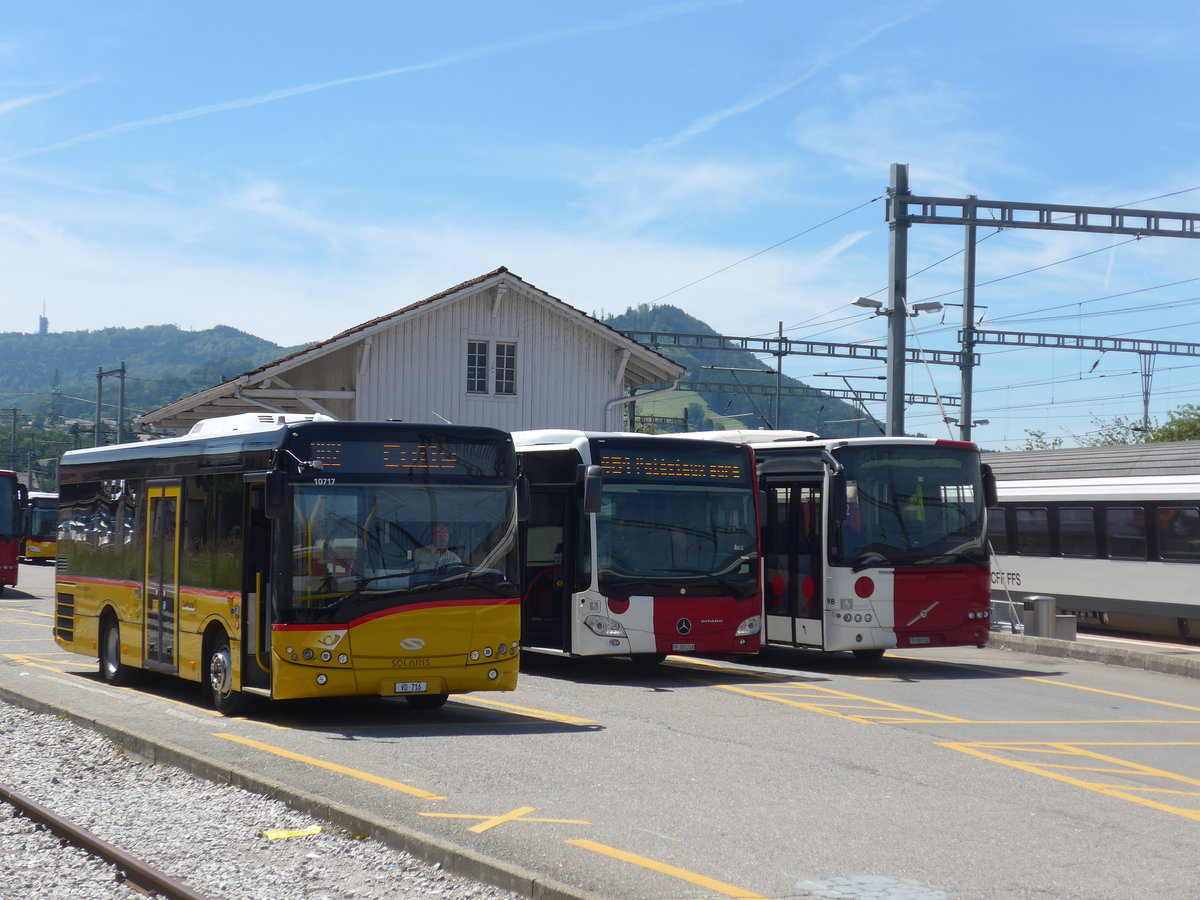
43	322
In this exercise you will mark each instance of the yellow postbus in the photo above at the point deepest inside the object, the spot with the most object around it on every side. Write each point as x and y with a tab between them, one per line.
41	523
296	556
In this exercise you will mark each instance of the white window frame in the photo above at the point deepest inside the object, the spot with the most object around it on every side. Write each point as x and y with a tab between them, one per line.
497	372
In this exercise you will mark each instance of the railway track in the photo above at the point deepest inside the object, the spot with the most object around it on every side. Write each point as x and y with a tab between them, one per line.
136	873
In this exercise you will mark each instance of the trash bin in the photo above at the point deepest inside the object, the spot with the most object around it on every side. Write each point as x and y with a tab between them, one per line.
1041	611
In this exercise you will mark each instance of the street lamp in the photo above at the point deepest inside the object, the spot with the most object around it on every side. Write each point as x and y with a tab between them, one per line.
876	306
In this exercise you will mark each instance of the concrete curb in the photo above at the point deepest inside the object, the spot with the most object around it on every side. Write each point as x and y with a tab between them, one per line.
453	858
1165	660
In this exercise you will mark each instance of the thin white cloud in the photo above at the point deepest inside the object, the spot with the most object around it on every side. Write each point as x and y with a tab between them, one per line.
538	39
884	117
7	106
790	81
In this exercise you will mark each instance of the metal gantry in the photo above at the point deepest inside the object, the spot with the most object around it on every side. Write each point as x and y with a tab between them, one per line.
905	210
780	347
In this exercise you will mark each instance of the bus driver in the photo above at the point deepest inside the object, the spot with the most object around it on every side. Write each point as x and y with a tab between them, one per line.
437	554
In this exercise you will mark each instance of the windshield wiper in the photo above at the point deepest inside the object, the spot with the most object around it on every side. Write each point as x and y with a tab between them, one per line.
869	559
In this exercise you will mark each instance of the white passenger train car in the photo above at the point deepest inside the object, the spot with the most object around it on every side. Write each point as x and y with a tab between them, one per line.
1113	533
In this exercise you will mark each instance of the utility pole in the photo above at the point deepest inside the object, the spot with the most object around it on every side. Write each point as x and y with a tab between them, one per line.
968	328
100	376
12	445
897	217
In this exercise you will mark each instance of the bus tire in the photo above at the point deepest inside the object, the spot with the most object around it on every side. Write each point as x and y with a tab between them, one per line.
427	701
219	678
112	670
868	655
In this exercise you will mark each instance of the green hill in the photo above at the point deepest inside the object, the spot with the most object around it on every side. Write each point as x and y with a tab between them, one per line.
53	375
745	399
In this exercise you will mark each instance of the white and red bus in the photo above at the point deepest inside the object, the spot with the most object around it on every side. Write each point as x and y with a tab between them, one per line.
12	507
638	546
871	543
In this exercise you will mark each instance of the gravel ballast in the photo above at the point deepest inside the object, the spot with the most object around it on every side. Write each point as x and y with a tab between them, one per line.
211	837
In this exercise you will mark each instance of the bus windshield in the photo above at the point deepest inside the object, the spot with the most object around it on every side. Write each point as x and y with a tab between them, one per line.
357	548
911	506
43	522
675	535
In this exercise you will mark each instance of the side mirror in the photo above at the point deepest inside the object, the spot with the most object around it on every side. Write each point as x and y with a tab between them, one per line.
275	503
838	506
991	496
593	483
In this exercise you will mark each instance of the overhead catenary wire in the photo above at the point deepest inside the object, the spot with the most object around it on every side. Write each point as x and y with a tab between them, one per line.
768	249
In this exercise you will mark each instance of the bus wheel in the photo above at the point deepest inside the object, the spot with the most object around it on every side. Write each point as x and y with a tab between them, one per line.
112	670
427	701
225	699
648	659
868	655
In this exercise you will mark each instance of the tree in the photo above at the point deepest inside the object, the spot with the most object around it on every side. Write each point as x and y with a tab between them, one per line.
1121	430
1037	440
1182	425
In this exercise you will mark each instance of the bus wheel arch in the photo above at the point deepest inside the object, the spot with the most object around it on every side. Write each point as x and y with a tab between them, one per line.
218	673
112	670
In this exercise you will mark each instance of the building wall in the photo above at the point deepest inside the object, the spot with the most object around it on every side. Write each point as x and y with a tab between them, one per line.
565	373
335	371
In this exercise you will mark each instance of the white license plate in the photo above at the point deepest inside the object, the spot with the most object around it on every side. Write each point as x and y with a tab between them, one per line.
681	648
412	687
912	642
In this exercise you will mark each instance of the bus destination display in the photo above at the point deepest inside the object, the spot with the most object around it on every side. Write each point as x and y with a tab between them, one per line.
701	466
412	457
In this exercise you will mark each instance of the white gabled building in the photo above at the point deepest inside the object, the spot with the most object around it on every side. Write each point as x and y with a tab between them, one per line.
493	351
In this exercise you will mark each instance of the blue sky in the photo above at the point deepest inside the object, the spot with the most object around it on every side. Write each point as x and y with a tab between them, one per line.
294	169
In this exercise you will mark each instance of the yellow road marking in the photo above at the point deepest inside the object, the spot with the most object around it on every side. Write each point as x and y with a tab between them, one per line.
1074	757
525	711
994	670
333	767
836	703
1091	690
654	865
516	815
33	662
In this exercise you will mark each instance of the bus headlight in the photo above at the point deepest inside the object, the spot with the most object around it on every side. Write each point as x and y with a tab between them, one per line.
751	626
604	626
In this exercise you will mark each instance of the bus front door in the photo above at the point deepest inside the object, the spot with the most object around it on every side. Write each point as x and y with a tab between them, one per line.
793	563
161	590
546	564
256	586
